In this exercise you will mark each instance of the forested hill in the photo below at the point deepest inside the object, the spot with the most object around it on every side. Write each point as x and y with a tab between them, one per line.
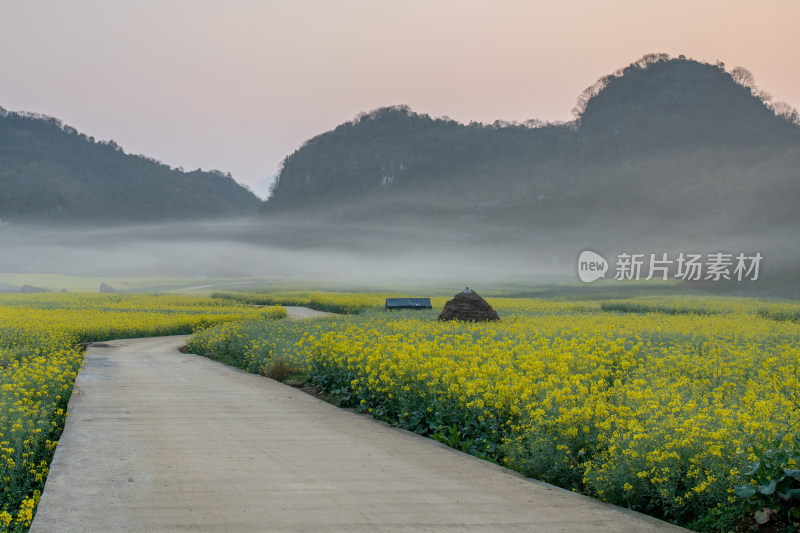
662	139
51	173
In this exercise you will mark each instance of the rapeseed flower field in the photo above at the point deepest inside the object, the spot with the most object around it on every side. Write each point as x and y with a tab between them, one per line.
39	362
658	404
654	404
347	303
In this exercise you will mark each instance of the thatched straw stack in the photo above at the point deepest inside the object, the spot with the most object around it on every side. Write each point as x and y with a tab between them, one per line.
467	306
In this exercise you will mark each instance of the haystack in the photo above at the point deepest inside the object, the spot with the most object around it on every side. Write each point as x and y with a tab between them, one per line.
468	306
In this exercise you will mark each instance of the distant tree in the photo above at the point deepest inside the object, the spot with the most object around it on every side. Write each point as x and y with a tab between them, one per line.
786	111
743	77
763	95
359	117
650	59
500	124
590	92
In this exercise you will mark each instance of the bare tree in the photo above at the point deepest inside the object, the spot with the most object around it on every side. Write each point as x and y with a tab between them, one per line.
743	77
786	111
763	95
651	59
590	92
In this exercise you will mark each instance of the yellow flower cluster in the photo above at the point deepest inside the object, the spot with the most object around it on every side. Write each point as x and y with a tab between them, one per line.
651	408
39	363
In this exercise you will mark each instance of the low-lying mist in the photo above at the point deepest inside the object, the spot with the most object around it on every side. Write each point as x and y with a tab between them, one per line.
242	248
390	254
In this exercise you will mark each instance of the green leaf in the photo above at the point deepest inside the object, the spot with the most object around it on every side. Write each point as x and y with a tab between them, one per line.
768	490
441	437
745	491
791	472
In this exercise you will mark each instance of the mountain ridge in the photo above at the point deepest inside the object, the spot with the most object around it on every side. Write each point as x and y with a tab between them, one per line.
663	143
51	173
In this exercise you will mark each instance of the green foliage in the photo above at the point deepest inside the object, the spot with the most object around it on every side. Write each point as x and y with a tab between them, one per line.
653	307
720	519
773	480
255	345
786	314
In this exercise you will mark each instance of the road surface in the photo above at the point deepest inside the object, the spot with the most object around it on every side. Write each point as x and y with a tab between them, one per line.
159	440
298	313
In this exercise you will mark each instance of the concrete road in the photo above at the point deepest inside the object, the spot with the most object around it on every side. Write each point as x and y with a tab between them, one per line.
297	313
159	440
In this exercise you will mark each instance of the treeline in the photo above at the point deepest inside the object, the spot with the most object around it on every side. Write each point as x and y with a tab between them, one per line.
50	172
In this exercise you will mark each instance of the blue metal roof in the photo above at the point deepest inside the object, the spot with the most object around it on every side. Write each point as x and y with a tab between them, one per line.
408	303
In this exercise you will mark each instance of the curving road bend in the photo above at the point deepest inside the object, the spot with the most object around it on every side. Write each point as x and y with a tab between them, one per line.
159	440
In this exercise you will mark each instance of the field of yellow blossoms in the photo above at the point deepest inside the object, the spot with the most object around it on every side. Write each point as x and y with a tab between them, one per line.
39	362
660	404
650	403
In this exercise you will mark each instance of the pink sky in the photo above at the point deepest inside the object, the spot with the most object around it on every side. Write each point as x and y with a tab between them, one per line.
237	85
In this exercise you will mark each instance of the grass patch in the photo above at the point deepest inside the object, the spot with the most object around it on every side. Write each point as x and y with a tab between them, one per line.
280	370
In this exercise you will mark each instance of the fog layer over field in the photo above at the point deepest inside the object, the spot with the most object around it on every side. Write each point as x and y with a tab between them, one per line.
387	255
248	249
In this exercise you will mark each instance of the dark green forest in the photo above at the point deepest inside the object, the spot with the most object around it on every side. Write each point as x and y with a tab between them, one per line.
51	173
666	147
